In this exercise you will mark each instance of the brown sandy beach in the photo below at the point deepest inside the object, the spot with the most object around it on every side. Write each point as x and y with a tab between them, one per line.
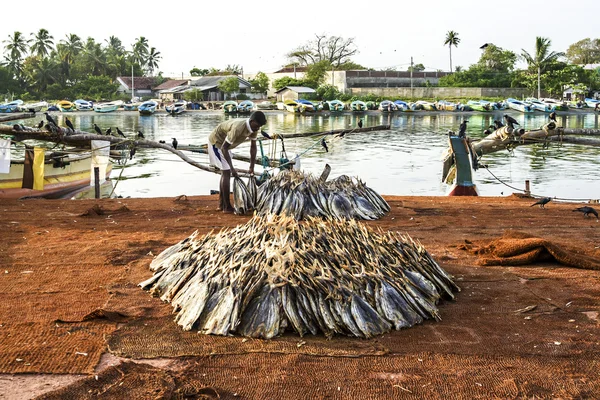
74	323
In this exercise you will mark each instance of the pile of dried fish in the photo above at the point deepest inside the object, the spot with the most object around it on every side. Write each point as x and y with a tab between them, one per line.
275	273
244	197
302	195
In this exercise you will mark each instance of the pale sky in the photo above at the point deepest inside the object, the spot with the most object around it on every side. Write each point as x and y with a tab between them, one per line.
257	35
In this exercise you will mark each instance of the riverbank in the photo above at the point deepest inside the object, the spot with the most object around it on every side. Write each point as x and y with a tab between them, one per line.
74	320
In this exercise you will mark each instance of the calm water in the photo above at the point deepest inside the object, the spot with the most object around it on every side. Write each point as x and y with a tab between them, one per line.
405	160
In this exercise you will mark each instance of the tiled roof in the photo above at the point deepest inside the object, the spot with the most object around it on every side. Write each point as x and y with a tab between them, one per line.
171	83
140	82
214	81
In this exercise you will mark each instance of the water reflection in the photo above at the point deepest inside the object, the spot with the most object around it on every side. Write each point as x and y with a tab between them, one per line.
405	160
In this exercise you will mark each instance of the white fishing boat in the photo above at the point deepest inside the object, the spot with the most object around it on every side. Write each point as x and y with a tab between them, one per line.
176	108
34	107
83	105
518	105
108	107
13	106
148	107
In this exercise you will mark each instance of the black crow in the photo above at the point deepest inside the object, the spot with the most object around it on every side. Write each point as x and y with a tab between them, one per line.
510	121
174	143
119	132
69	124
462	130
50	119
131	153
360	124
587	210
140	134
498	124
98	130
39	126
109	131
543	201
324	144
552	116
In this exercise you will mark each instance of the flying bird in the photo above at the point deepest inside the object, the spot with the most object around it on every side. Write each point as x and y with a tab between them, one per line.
50	119
98	130
119	132
462	130
174	143
542	202
69	124
360	123
140	134
324	144
587	211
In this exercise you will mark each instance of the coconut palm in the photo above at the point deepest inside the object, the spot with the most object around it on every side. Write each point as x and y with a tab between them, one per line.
452	39
42	43
541	58
140	51
16	47
153	59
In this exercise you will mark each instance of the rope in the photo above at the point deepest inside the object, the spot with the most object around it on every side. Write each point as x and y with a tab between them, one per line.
532	195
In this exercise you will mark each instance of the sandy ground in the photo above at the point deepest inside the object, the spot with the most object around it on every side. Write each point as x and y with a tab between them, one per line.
64	231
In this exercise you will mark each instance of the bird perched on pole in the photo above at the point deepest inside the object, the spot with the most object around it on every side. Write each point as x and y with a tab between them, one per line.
324	144
120	133
41	124
510	122
498	124
109	131
98	130
587	211
462	130
542	202
360	123
50	120
174	143
140	134
69	124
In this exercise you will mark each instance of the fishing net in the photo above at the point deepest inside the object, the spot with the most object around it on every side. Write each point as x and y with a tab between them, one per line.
323	276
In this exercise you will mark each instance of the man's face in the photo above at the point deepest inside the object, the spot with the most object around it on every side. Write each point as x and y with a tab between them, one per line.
254	125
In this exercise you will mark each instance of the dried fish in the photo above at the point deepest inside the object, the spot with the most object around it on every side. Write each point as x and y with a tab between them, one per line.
276	273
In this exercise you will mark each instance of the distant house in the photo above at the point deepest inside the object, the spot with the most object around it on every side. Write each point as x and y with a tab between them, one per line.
293	92
209	85
142	86
570	93
172	90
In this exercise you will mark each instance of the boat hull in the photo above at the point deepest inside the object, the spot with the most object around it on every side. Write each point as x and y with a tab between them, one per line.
58	181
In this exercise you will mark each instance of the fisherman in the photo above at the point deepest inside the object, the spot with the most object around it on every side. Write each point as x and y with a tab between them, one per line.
226	136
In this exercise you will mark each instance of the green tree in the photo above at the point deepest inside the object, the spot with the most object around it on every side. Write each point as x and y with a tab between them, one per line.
586	51
416	68
43	72
229	85
334	49
153	58
286	81
8	84
315	73
497	59
140	51
198	72
193	95
96	87
541	58
328	92
42	44
260	83
16	47
452	39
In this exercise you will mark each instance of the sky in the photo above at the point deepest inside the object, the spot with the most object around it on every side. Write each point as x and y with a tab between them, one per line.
256	36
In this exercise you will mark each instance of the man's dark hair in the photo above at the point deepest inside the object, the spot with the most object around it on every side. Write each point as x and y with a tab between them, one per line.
259	117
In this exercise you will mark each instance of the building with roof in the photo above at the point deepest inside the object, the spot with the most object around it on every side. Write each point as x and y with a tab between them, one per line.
172	90
293	93
139	86
209	86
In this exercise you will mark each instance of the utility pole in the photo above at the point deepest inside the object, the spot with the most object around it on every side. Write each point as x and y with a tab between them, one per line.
411	83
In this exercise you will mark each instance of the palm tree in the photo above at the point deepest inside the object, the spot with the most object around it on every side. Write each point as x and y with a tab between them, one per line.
153	59
140	51
451	40
16	47
66	51
541	58
42	43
